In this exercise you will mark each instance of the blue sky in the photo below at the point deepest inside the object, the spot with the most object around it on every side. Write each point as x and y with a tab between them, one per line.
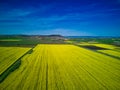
65	17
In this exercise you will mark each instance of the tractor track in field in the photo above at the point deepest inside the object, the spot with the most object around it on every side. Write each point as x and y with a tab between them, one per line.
47	76
61	67
94	78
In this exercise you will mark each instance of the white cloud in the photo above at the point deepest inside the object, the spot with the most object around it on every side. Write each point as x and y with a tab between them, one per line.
61	31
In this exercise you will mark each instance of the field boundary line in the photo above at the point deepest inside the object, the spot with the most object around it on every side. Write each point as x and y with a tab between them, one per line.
14	66
99	52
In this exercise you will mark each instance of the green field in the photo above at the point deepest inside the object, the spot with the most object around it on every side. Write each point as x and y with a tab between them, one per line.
29	40
10	39
64	67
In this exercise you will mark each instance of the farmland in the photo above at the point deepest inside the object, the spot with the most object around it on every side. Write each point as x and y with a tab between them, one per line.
59	44
111	52
64	67
8	55
29	40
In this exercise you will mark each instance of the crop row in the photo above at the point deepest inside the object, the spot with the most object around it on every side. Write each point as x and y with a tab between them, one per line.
64	67
111	52
8	55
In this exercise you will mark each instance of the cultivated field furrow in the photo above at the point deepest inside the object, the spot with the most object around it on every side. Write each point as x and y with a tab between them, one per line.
110	52
64	67
9	55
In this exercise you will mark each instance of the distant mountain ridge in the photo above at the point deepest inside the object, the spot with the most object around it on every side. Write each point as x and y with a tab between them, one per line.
92	36
32	36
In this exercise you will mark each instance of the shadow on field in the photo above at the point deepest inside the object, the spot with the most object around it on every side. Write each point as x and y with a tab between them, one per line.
96	49
92	47
13	67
